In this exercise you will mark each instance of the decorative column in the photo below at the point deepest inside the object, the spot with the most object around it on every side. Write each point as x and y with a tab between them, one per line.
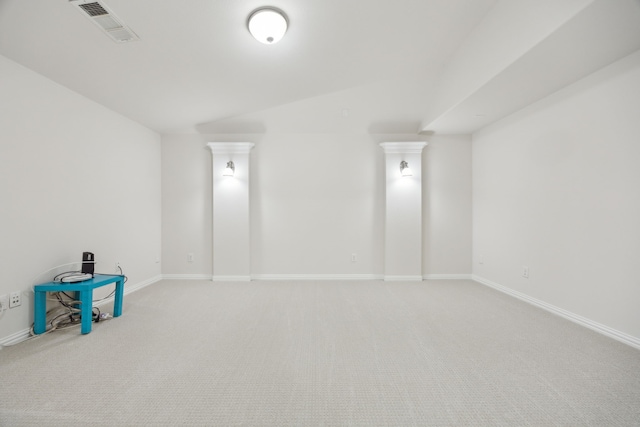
231	237
403	219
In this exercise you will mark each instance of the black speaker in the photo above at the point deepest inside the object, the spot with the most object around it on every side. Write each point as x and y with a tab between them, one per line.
88	262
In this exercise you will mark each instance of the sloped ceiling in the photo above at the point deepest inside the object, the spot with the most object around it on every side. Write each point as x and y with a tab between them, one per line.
547	53
344	66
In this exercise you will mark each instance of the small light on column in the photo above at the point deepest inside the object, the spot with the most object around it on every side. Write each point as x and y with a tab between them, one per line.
229	170
404	169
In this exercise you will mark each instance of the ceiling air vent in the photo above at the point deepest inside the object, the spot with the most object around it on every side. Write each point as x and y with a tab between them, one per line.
111	25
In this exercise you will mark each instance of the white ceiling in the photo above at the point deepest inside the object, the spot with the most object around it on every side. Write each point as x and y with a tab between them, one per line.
343	66
579	38
196	62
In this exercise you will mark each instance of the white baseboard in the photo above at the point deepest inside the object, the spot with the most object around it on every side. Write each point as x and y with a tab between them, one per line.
390	278
25	334
15	338
304	277
132	288
583	321
230	278
186	277
284	277
447	277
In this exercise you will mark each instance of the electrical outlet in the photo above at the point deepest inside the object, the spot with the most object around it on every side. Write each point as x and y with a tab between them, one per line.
4	302
354	257
525	272
15	299
190	257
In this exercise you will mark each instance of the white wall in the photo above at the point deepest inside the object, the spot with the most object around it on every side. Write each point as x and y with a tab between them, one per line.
74	177
446	209
314	200
186	205
556	188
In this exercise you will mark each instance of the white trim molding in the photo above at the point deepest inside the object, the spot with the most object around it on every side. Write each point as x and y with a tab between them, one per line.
16	338
389	278
409	147
583	321
287	277
231	278
186	277
140	285
230	147
447	277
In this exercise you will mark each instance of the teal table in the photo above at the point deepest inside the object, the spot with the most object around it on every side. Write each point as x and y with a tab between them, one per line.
83	293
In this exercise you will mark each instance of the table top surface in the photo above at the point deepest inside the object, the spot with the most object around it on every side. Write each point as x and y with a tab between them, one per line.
97	281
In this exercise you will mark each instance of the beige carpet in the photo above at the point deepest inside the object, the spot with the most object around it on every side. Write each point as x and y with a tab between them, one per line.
437	353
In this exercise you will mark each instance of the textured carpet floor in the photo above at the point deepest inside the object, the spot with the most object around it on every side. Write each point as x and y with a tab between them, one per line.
436	353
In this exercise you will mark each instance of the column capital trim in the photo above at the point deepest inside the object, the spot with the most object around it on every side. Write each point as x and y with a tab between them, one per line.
408	147
230	147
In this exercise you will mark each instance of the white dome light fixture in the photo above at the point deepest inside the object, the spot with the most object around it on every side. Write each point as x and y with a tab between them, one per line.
267	24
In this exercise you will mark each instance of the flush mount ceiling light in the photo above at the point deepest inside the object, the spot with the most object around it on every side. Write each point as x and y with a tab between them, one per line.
267	24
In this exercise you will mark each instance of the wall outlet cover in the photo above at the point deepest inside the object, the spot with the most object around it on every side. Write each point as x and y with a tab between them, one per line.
15	299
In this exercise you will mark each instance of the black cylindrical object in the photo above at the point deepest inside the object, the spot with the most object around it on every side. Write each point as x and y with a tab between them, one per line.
88	263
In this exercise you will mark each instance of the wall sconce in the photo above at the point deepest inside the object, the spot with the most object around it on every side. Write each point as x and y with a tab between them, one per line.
404	169
230	169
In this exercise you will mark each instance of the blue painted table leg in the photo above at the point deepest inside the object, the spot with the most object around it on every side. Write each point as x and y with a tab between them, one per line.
39	312
86	298
117	303
77	296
